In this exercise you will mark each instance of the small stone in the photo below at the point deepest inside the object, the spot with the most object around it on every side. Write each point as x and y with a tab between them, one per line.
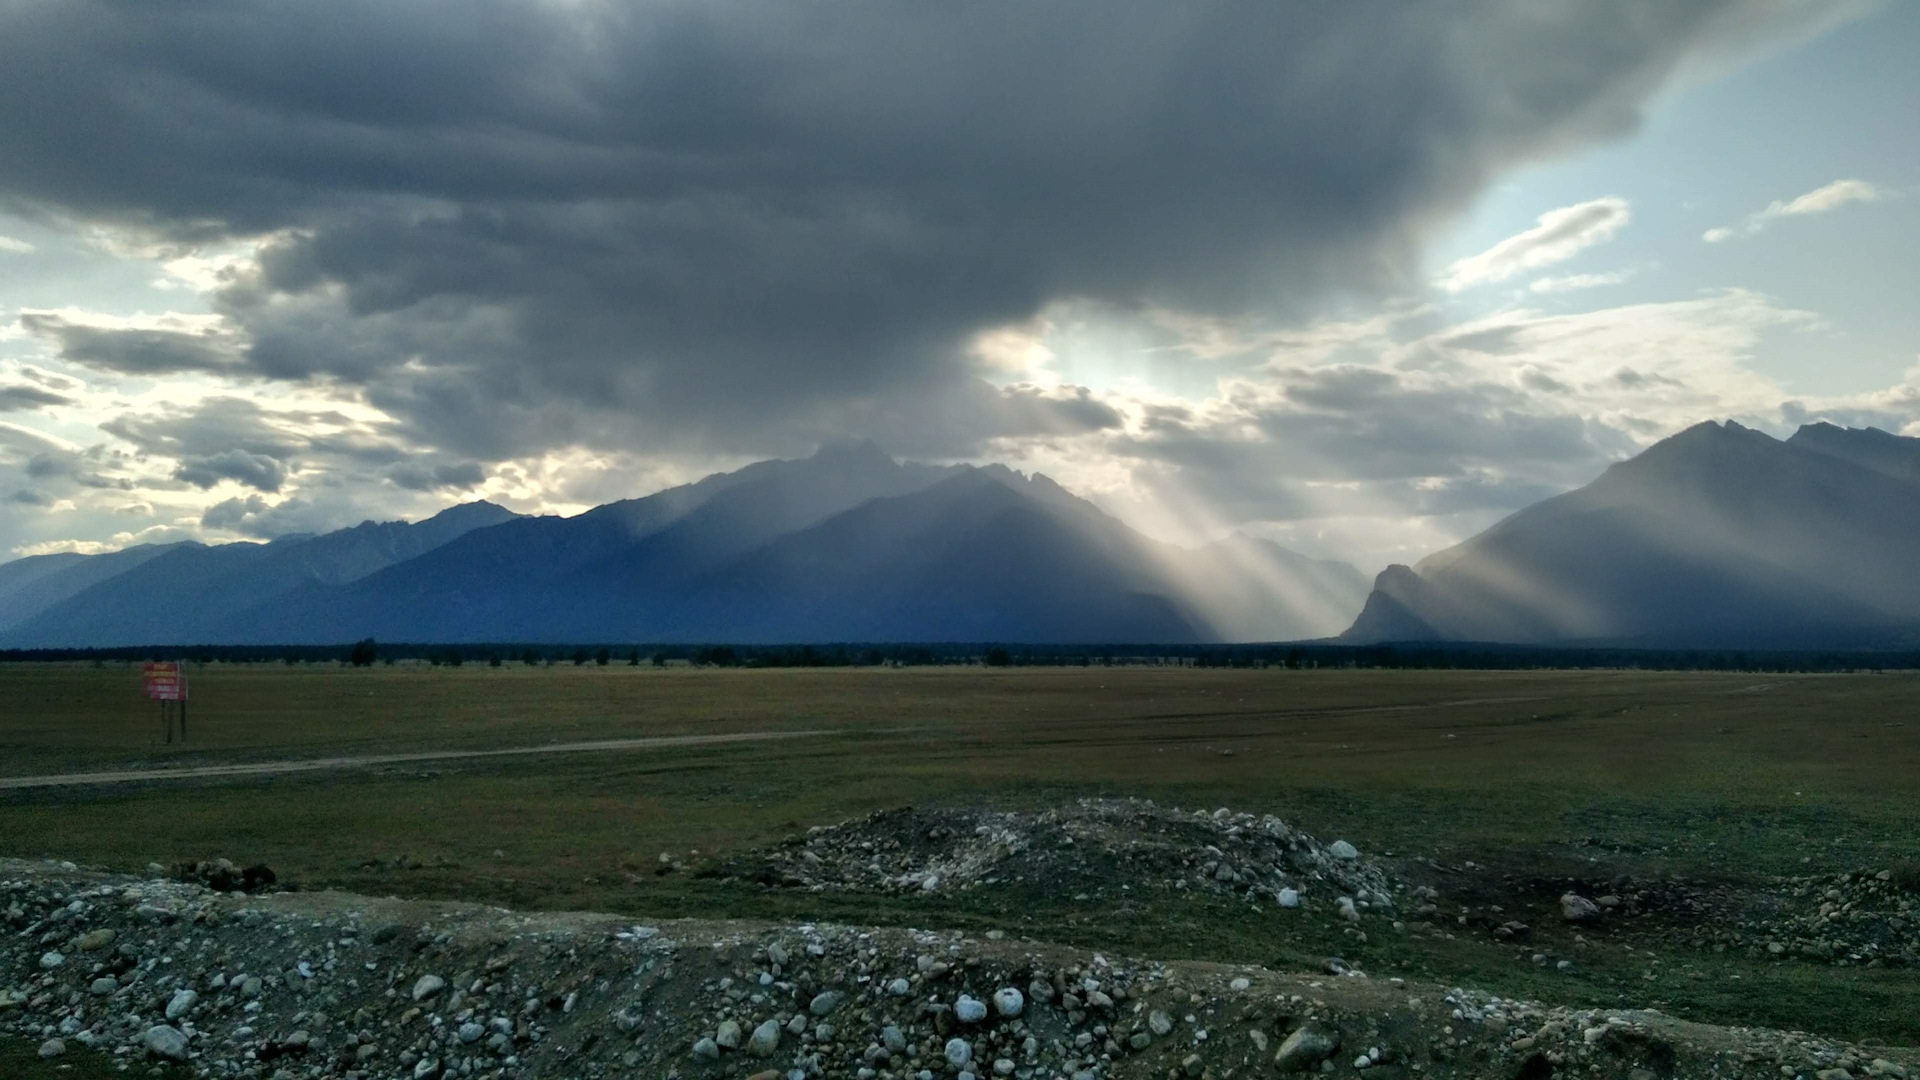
1306	1048
893	1039
706	1050
425	1068
728	1036
1003	1067
825	1002
51	960
1342	850
164	1041
968	1010
181	1001
1008	1002
1140	1040
1239	984
427	986
958	1052
471	1032
52	1048
103	986
1192	1064
1289	898
1578	909
1160	1023
899	988
765	1040
95	941
250	986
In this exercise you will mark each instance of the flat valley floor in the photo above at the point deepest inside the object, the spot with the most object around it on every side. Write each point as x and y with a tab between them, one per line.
1743	819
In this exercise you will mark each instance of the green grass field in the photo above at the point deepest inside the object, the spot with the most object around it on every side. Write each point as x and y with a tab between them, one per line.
1720	778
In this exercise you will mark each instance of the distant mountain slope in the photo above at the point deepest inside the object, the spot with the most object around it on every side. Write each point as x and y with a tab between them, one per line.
31	585
569	579
1718	536
986	555
186	594
842	546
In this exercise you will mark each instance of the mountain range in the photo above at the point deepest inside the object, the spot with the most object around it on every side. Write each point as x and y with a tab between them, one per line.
1720	536
848	545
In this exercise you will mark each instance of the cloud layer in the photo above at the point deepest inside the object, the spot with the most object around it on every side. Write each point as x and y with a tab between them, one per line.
529	224
561	250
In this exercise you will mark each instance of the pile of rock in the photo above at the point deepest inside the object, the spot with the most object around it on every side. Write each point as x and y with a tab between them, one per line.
1096	848
222	875
1867	917
310	985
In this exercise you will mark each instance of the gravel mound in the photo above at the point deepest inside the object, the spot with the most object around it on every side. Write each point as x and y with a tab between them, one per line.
1867	918
1090	849
302	986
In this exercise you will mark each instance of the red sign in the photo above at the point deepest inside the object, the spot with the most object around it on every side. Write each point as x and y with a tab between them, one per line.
165	682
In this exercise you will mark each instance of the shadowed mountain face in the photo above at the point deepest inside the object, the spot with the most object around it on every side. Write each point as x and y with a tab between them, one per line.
847	545
187	594
1720	536
31	585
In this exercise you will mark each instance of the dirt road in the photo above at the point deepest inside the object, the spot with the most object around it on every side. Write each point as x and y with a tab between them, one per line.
297	765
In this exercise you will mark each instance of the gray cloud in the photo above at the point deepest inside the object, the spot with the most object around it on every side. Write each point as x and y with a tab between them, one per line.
134	352
740	226
79	467
1353	440
438	477
256	471
30	497
21	398
229	513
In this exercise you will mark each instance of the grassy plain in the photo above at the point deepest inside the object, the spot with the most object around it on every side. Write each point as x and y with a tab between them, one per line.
1537	777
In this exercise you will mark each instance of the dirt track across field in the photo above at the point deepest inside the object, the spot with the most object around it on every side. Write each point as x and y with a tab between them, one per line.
270	768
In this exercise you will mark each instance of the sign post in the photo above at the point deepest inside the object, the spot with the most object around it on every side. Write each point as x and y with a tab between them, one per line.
166	682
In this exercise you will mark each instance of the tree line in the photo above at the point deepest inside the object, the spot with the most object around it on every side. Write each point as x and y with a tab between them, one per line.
1425	656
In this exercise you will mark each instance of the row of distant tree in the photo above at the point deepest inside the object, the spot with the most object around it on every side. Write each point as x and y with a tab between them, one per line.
368	652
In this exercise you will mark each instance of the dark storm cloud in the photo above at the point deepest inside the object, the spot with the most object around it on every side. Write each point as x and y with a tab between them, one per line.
528	224
21	398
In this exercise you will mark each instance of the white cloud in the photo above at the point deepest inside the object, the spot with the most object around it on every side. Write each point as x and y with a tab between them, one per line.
14	246
1558	236
1571	282
1818	201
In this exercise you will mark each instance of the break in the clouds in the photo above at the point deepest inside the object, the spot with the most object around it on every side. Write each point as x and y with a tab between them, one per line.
1820	200
397	254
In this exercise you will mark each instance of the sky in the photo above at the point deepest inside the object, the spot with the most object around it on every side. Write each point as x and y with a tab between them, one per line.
1362	278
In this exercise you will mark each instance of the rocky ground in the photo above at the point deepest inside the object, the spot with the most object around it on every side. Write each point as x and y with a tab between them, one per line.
1091	849
322	984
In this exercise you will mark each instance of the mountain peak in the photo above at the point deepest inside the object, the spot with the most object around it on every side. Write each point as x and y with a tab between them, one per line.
853	451
477	509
